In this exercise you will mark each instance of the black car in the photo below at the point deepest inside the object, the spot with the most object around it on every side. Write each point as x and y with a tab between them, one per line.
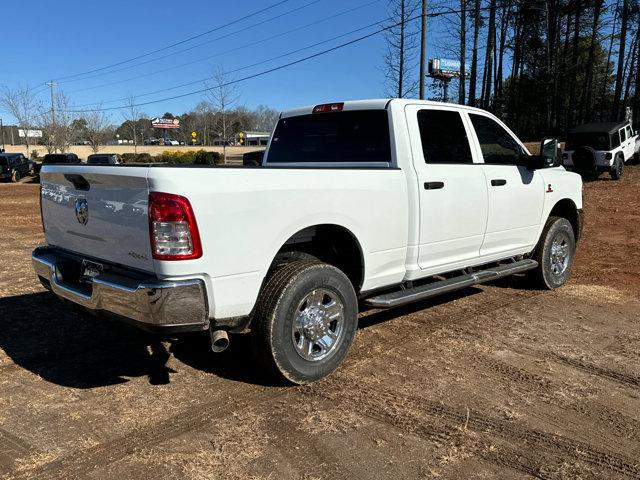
60	158
104	159
14	166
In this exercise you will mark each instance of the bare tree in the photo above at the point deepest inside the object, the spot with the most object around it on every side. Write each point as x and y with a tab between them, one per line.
222	95
463	52
402	43
132	115
265	118
96	127
59	129
615	113
22	104
477	23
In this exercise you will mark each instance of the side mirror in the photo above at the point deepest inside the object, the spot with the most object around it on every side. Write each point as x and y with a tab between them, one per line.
550	149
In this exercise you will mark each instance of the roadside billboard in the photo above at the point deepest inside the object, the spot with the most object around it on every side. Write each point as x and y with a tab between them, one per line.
166	123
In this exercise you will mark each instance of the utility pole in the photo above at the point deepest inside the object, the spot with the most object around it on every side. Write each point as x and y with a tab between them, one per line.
423	47
51	86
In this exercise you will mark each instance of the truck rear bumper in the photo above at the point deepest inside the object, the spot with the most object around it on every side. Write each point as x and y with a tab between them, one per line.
149	303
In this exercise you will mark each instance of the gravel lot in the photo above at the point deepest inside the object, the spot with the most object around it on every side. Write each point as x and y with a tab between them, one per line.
499	381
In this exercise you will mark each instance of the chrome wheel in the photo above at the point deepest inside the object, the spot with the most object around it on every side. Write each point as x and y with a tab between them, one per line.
559	254
318	326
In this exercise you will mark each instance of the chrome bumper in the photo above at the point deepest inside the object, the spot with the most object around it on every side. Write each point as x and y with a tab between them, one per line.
152	304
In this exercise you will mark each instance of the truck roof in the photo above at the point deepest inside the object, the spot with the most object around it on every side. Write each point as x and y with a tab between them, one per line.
599	127
373	104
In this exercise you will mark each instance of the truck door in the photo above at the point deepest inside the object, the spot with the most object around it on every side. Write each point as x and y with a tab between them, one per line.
516	194
452	188
629	144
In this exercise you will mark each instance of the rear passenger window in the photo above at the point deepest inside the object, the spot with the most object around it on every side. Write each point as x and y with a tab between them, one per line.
498	146
444	138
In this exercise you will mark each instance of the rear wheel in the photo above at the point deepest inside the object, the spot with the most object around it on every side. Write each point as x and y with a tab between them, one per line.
617	170
305	321
554	254
15	176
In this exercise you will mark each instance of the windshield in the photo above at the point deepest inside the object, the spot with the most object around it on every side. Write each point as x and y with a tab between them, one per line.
597	141
350	136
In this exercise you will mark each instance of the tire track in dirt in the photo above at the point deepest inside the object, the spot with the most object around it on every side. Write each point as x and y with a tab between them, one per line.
383	406
619	423
80	464
609	374
11	448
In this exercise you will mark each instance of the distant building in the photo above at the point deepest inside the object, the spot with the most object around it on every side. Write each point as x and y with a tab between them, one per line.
249	139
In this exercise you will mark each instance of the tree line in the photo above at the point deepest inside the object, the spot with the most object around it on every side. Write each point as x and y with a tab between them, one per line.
544	66
216	119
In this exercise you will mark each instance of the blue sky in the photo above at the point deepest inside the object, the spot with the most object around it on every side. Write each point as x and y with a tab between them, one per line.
77	36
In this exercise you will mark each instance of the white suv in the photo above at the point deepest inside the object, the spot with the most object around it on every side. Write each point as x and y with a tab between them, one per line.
595	148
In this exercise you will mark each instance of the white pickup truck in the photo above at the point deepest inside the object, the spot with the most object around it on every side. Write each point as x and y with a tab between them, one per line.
376	203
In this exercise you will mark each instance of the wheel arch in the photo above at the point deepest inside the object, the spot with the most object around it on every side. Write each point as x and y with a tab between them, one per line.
331	243
566	208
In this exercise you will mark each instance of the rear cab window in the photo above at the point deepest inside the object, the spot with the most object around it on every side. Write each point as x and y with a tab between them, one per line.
345	138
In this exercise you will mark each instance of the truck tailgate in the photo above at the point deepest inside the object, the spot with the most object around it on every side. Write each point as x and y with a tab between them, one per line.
100	212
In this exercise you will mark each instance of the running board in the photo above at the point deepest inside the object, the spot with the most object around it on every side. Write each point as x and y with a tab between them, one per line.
410	295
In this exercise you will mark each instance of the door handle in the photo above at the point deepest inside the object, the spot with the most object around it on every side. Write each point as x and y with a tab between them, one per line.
433	185
498	182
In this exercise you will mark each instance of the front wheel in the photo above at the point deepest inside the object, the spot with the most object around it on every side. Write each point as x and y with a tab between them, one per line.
554	254
618	168
305	321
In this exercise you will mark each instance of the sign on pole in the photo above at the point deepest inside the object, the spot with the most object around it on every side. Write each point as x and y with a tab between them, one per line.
29	133
166	123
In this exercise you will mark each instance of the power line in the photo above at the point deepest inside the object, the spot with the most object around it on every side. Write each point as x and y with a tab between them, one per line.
257	42
286	65
277	57
177	52
269	7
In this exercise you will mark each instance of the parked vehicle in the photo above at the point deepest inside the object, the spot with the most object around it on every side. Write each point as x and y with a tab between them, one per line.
173	143
385	202
14	166
253	159
60	158
152	141
595	148
104	159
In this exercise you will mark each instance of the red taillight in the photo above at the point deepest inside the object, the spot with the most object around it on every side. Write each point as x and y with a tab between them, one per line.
173	228
328	107
41	215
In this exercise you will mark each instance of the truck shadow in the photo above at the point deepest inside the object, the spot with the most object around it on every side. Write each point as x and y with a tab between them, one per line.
72	349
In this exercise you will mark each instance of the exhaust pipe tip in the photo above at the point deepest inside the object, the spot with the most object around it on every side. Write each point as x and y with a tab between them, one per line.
219	341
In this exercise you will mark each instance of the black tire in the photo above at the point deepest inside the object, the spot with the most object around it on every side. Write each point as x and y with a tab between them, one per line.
15	176
617	170
548	275
281	301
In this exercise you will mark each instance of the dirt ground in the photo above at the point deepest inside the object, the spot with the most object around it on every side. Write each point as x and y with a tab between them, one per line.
493	382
